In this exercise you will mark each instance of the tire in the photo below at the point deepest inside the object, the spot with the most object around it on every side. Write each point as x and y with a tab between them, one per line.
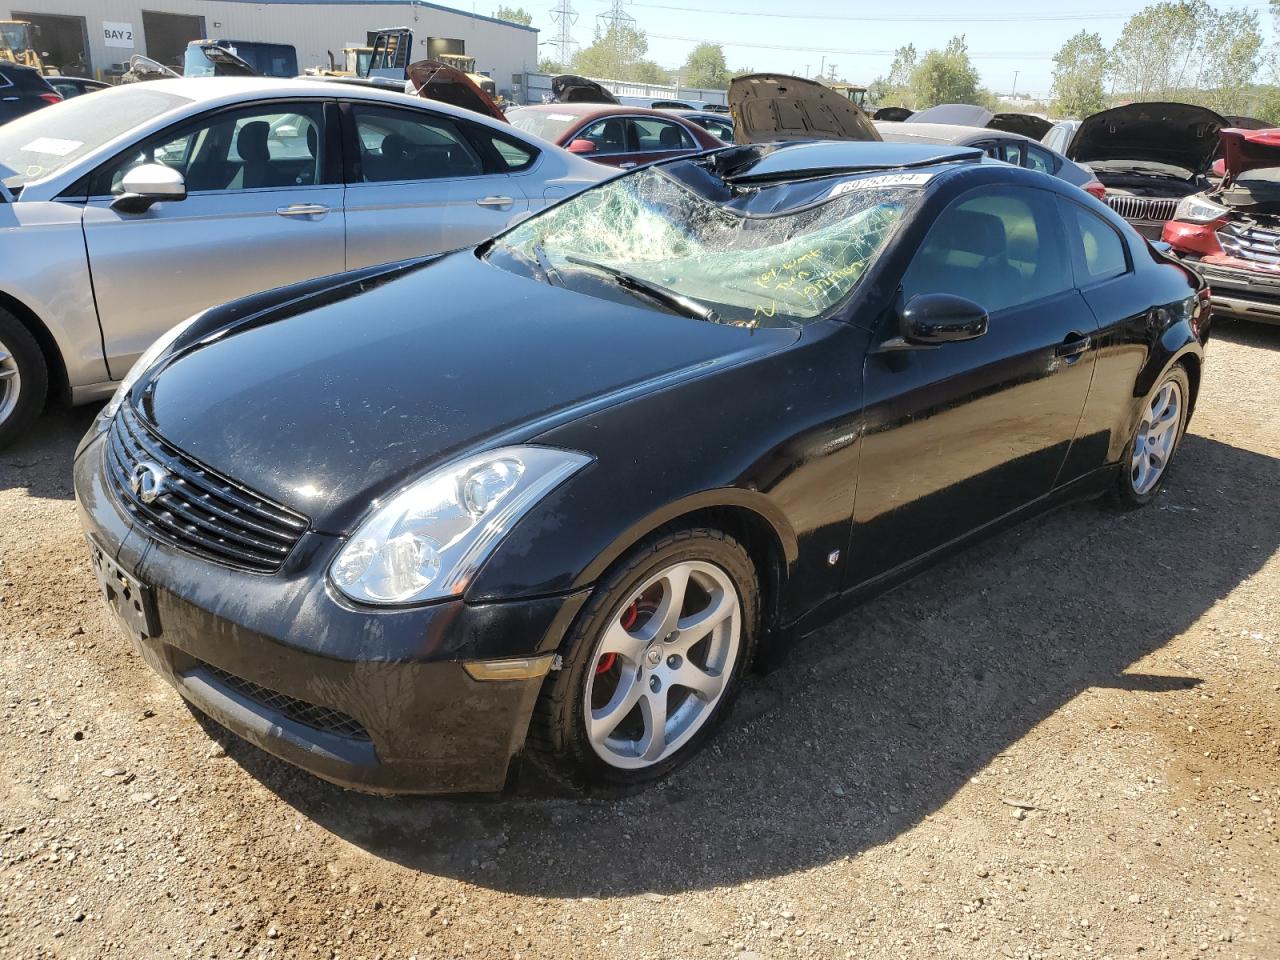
1135	486
24	378
628	603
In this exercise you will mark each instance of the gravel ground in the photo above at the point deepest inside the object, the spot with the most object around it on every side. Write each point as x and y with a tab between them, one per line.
1063	743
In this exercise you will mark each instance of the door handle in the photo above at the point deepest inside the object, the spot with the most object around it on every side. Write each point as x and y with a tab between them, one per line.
1074	345
627	166
303	210
502	203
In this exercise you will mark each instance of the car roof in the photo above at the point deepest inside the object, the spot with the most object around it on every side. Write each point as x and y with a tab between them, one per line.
602	109
907	130
817	158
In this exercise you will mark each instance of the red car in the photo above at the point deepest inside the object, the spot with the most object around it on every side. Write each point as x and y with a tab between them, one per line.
614	134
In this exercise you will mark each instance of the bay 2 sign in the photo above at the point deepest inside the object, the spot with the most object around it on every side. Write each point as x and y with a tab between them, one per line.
117	34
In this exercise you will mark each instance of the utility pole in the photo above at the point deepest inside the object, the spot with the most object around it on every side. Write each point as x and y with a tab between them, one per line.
1014	92
823	68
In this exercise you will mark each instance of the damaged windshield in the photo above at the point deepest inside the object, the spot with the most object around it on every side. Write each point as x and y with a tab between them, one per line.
651	237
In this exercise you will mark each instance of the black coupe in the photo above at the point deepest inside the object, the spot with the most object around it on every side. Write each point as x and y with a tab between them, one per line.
551	496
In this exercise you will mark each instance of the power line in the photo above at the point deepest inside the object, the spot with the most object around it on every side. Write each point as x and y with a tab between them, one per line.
1110	14
975	55
616	17
564	17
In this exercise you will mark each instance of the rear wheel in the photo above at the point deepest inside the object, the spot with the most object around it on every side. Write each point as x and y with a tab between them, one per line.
1159	432
652	664
24	378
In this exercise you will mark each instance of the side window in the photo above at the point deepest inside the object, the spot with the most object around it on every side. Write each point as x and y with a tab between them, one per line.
512	154
999	248
259	148
653	135
609	136
1009	151
1097	248
410	145
1041	160
720	129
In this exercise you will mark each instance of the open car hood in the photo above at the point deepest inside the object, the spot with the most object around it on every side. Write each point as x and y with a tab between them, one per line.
1244	150
893	114
569	88
1178	134
1026	124
225	63
434	80
768	107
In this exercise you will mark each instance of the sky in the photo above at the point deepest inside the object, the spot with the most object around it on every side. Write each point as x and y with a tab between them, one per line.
1010	41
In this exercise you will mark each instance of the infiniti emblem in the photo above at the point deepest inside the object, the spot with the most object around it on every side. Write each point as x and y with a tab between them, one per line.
148	481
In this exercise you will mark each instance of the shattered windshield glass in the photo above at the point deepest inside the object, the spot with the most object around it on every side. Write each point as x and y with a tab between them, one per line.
657	238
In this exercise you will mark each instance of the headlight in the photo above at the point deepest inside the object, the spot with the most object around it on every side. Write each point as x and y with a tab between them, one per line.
149	357
427	541
1198	208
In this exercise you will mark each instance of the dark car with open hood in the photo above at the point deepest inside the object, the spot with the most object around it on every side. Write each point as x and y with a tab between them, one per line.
1231	232
1149	156
551	496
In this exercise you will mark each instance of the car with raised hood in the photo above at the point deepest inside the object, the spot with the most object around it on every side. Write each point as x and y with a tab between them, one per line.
159	199
970	115
1149	156
1000	145
774	107
550	496
1231	232
614	135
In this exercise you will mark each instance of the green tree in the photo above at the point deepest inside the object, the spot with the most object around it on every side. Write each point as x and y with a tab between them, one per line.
1079	76
1232	53
705	68
1160	49
515	15
945	76
894	90
548	65
618	53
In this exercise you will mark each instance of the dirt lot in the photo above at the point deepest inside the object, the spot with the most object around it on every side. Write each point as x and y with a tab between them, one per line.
1065	743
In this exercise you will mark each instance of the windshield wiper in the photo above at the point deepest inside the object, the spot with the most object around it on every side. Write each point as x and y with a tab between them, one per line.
658	294
548	271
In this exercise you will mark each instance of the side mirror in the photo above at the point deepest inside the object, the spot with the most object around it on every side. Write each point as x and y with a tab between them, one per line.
148	184
932	318
1219	167
582	146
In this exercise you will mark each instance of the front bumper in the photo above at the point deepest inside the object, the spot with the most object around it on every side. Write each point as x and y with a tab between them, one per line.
1240	293
377	700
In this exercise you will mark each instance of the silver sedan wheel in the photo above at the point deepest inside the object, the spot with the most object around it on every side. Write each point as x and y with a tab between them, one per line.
1157	435
662	665
10	382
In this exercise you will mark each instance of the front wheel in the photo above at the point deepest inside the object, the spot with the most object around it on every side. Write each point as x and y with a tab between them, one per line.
24	378
652	664
1159	432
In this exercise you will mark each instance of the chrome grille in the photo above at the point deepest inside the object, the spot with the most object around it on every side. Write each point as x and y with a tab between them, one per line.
1142	208
1248	241
197	509
325	719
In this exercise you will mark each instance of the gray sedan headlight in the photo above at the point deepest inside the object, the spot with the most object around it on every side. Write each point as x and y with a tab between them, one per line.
427	541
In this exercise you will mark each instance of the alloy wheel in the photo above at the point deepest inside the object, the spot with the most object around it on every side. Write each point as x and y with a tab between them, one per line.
10	382
662	664
1157	435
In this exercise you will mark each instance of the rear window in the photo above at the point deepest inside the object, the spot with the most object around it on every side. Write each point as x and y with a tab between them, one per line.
24	80
545	124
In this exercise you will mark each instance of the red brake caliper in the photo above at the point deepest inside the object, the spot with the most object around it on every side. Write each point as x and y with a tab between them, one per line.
629	617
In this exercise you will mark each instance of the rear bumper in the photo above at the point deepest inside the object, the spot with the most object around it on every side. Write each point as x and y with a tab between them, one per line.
375	700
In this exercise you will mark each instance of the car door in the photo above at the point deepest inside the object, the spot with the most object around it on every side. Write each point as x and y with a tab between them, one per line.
655	138
964	433
263	209
1126	321
416	185
612	140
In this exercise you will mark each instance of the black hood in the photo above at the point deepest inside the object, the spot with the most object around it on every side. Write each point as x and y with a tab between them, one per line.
336	400
1024	124
568	88
1177	134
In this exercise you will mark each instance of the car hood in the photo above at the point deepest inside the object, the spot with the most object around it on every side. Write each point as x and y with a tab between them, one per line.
957	114
1177	134
1025	124
434	80
568	88
1245	150
328	402
768	107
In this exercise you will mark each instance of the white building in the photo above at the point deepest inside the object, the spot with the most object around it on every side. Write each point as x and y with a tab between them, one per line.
102	34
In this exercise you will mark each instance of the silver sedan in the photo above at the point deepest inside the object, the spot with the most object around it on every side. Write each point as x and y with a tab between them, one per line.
125	212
